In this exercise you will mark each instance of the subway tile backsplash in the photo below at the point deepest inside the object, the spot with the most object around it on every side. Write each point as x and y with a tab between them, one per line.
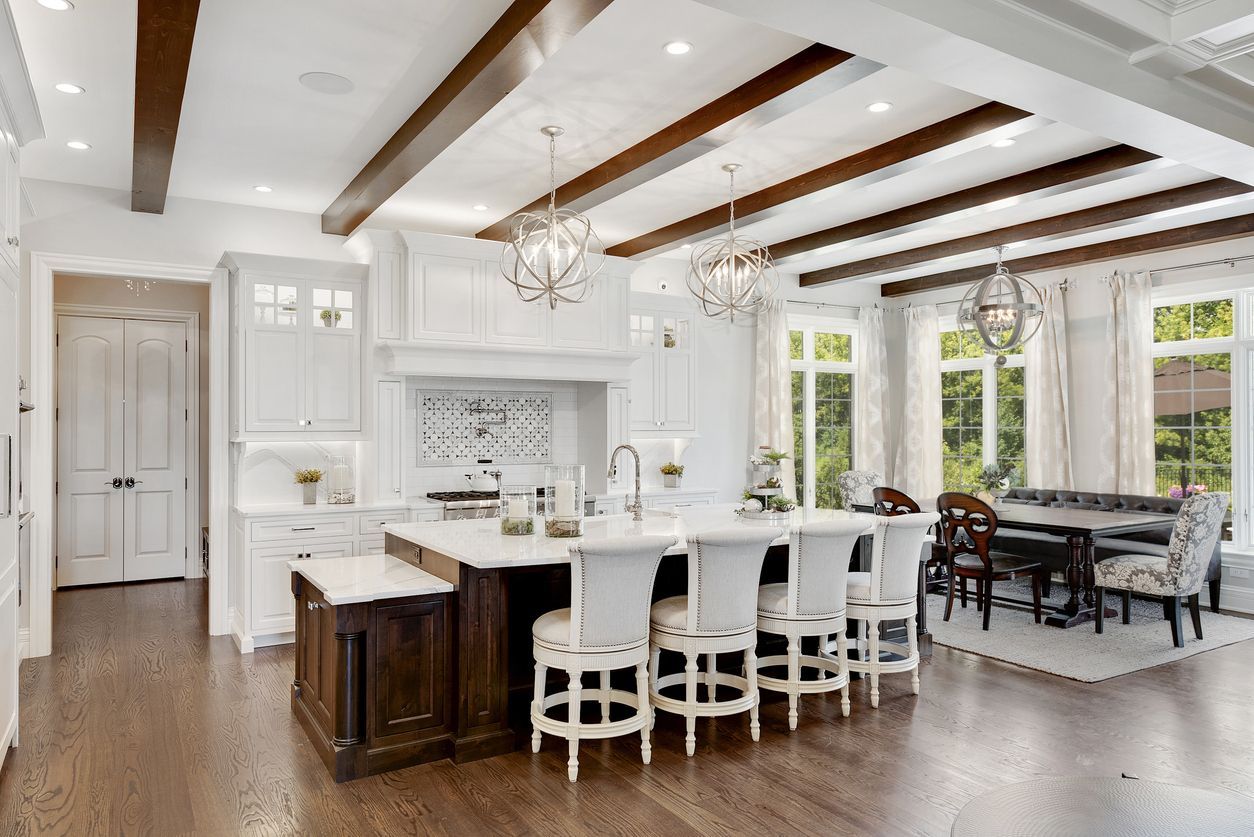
433	429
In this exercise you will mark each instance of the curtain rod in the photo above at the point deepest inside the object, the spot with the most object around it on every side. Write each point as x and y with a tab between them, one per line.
822	304
1229	262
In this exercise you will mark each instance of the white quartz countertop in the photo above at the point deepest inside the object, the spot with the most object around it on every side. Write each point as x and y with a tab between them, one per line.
367	578
284	509
480	544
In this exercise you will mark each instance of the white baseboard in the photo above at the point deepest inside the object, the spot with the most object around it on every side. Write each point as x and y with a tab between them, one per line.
274	639
23	643
243	641
1236	599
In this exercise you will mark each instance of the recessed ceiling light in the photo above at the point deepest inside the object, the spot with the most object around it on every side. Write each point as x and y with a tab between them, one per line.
687	246
1006	142
879	107
678	48
480	207
328	83
77	145
73	89
262	189
56	5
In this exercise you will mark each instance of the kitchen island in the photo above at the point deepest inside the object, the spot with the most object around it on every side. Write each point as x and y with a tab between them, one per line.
503	583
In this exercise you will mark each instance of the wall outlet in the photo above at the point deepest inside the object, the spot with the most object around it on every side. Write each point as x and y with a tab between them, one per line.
1238	572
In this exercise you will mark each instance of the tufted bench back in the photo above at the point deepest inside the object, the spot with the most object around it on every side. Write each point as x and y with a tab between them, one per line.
1107	502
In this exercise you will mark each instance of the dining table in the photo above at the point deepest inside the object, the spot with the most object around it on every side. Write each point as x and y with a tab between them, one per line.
1080	528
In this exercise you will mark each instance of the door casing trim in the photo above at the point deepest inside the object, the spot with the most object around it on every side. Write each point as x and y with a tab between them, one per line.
43	269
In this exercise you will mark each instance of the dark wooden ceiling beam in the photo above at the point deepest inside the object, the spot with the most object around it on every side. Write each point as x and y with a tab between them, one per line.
521	40
1067	175
163	51
944	138
1095	217
1137	245
812	73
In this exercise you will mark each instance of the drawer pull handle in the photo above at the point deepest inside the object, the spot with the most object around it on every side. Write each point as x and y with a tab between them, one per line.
303	528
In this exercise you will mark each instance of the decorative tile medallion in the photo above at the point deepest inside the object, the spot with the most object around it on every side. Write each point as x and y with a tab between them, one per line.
460	428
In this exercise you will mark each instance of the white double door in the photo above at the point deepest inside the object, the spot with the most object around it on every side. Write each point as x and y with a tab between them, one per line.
122	443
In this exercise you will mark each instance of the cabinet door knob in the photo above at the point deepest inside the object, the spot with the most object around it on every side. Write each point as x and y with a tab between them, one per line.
13	241
313	605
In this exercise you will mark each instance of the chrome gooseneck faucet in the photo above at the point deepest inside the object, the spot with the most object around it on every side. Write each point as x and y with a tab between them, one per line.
636	507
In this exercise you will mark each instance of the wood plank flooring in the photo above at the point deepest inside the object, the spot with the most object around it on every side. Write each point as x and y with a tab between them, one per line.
140	724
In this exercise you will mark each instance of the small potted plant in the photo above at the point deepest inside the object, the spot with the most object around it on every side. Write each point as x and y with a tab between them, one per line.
671	474
780	503
329	318
308	479
994	482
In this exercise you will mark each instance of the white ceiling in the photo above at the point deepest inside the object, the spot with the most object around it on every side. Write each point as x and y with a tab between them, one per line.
246	120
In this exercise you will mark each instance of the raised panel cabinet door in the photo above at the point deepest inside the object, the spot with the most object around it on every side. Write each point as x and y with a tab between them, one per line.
333	363
679	403
90	536
274	355
583	325
444	298
388	291
389	429
411	667
9	571
619	425
10	196
510	321
271	602
643	389
155	425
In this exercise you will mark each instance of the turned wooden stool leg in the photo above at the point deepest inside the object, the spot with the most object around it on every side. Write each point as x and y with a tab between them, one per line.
537	704
842	652
690	701
644	710
751	675
574	695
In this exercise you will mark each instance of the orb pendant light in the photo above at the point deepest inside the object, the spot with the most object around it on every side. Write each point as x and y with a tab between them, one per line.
1003	309
733	276
552	254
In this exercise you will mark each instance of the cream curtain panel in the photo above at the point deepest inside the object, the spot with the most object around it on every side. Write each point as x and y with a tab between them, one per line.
918	464
1045	362
1128	414
871	380
772	388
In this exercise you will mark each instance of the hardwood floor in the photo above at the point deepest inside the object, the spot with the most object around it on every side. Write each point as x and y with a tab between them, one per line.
140	724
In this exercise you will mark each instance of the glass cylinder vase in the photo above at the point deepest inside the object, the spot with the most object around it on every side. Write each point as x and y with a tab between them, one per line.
518	509
563	501
341	481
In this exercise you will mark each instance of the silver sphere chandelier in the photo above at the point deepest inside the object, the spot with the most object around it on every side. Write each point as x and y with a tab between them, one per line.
552	253
1003	309
734	275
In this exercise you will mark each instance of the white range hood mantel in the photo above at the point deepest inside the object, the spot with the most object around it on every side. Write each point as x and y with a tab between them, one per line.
469	360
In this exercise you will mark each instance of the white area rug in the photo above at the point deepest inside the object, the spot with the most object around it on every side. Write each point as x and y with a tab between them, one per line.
1078	653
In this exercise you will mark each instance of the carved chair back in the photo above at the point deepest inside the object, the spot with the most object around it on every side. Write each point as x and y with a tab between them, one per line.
967	524
890	502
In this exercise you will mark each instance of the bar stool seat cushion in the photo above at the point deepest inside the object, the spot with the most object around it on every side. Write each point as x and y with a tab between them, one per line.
773	599
858	587
553	629
671	616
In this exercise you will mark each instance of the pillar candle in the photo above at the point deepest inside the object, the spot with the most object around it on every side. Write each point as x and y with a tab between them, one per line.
564	498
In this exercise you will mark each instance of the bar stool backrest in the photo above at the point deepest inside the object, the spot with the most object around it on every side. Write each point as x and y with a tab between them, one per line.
818	566
611	589
895	554
724	569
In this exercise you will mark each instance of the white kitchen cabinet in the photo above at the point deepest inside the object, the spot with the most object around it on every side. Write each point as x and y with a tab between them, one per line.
268	540
671	499
664	375
610	505
389	442
509	320
299	329
10	194
446	298
426	514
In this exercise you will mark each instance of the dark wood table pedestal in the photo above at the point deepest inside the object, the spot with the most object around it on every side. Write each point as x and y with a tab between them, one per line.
1080	605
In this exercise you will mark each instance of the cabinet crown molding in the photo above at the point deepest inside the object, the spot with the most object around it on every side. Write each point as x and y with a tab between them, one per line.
469	360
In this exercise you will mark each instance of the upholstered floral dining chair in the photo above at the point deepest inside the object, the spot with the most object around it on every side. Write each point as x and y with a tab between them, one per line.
856	487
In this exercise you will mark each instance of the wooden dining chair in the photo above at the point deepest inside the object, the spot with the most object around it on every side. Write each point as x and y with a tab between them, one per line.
968	525
889	502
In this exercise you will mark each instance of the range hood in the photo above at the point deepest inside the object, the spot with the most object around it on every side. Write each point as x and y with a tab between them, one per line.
471	360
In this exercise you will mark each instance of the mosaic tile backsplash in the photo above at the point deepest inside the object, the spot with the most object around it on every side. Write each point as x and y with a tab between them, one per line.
462	427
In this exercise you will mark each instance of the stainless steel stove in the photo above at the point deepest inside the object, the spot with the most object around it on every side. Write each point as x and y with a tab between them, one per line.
467	505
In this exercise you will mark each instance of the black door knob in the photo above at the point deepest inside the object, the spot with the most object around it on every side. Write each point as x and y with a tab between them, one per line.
131	482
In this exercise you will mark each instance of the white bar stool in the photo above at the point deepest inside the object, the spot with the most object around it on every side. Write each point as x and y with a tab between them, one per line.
605	628
719	615
810	603
889	592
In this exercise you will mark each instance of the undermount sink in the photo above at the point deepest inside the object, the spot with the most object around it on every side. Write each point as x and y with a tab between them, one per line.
656	513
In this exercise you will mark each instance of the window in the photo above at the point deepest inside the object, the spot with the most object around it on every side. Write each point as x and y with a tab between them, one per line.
982	411
822	397
1193	419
